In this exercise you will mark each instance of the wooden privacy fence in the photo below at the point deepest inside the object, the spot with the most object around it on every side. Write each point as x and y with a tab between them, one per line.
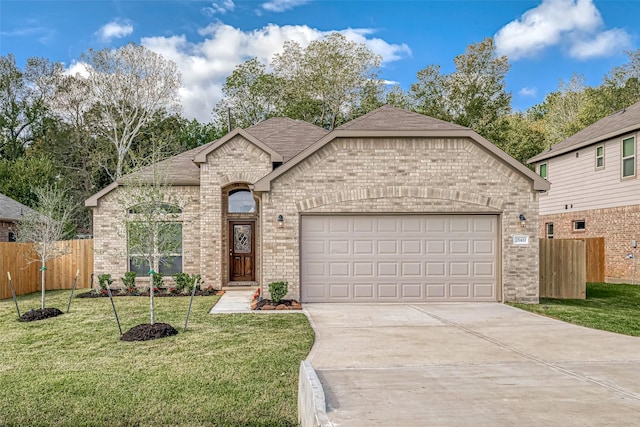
563	269
595	259
14	258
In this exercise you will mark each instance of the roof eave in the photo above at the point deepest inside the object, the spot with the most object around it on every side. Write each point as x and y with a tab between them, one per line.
92	201
549	154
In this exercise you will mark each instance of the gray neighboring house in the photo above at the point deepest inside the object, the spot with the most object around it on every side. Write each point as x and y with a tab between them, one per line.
392	206
10	214
595	190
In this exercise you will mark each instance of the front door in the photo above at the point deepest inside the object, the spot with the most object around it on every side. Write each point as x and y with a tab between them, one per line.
242	251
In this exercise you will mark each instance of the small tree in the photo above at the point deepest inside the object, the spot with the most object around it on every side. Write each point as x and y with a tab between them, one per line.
45	227
152	221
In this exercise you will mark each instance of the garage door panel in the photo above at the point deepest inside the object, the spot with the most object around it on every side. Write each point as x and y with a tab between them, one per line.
412	291
436	290
387	291
339	291
398	258
457	247
363	290
363	247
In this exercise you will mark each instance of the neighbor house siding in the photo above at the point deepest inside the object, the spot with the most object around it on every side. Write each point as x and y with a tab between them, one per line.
403	176
576	185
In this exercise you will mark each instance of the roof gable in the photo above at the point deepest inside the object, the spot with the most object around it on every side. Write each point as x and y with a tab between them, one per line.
11	210
386	122
616	124
287	136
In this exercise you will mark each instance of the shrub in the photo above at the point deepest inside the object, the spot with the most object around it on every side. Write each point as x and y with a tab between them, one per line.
129	280
105	281
157	280
186	281
278	290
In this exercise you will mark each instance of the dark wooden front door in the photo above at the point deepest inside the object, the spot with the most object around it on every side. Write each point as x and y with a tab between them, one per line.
242	251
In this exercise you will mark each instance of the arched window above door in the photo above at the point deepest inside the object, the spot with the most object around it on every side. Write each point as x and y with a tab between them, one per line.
241	201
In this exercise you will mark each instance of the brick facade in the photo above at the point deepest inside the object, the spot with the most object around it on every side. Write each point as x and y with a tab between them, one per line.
403	176
345	175
619	226
5	229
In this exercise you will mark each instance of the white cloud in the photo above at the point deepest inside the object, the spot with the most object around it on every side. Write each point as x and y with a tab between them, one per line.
574	24
220	7
282	5
528	91
602	44
115	29
204	66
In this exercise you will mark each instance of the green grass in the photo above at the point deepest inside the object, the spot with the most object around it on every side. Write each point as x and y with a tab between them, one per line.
609	307
225	370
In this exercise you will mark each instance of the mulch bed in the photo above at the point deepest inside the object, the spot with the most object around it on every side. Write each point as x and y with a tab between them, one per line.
267	304
161	293
147	331
39	314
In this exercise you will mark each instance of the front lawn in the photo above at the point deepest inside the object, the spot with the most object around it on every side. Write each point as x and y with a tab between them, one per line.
72	370
609	307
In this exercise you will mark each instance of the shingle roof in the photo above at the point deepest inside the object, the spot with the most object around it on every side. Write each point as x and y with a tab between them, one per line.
618	123
10	210
388	117
178	170
287	136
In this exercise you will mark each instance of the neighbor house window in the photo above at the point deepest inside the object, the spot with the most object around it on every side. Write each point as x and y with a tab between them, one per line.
161	240
241	201
549	230
600	157
579	225
628	157
542	170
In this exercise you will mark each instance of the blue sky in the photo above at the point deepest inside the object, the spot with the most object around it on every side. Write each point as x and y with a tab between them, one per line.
546	40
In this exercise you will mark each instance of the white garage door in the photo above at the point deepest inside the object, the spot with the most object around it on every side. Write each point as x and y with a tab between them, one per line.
399	258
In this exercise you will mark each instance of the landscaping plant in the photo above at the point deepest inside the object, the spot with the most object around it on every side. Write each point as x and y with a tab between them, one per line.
104	281
278	290
129	281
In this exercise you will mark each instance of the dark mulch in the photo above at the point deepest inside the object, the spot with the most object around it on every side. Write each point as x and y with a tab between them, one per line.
161	293
147	331
39	314
285	304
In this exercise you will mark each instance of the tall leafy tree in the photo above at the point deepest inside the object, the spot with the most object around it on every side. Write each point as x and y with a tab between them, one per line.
334	72
474	95
22	102
129	85
563	110
251	96
327	83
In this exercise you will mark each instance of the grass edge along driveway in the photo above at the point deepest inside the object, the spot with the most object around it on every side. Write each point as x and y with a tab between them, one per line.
72	370
609	307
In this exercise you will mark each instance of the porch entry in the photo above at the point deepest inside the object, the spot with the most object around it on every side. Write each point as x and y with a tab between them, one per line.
242	251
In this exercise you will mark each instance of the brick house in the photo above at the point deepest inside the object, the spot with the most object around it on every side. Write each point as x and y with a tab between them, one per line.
10	213
595	191
393	206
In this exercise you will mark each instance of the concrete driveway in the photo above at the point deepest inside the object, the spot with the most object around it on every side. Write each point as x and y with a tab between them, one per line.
481	364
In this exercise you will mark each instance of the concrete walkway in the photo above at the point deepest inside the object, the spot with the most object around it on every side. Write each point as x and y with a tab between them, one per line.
234	301
470	365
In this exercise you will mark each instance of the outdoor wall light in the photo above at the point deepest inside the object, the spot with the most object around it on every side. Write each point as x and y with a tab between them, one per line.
280	219
523	220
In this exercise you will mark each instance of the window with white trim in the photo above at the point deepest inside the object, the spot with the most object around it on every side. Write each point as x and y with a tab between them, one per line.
599	157
628	165
579	225
549	227
542	170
